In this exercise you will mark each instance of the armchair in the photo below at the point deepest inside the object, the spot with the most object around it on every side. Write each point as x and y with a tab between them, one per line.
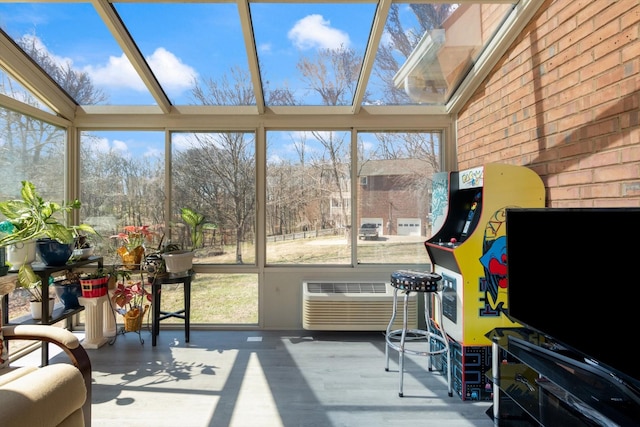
58	394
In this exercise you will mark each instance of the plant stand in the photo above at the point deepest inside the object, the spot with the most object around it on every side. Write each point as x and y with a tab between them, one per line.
129	295
132	323
96	324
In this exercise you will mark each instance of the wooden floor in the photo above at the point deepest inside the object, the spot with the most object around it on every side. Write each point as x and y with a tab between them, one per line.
268	378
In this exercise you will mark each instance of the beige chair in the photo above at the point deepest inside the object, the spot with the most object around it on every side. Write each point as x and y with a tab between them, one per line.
58	394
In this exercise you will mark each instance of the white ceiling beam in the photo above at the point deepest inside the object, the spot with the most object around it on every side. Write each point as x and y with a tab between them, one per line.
31	111
26	72
247	118
377	29
252	53
130	49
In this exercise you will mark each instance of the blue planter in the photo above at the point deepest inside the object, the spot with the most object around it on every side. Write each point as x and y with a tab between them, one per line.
54	253
69	294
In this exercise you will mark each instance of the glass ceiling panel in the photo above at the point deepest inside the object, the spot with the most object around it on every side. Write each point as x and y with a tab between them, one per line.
189	43
50	31
311	53
427	50
308	54
11	88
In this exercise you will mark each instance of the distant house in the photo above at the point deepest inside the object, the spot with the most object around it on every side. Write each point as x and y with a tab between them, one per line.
396	195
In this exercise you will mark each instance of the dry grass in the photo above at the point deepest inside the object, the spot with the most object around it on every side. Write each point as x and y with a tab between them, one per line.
233	298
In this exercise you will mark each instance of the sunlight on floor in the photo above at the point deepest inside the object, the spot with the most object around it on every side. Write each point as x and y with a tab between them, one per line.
255	405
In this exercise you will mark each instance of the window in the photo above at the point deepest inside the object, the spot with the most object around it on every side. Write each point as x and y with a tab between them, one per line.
308	188
122	184
214	174
398	167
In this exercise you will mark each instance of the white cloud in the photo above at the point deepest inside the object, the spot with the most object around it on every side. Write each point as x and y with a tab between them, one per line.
36	41
154	152
118	72
264	47
313	31
182	141
100	144
173	75
121	146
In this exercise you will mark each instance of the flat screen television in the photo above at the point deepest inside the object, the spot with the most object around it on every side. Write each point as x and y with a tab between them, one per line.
573	275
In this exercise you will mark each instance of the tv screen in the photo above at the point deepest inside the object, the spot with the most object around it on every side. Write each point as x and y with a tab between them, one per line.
573	275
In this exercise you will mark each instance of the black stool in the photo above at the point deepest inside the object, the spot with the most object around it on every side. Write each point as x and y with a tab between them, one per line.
156	292
434	335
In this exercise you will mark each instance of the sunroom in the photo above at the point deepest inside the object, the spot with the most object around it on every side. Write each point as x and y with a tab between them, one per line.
267	129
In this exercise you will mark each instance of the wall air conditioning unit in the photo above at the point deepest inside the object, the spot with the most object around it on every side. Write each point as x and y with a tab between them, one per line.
353	306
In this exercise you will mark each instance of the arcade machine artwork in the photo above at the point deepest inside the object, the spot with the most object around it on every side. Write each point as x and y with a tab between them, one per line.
468	249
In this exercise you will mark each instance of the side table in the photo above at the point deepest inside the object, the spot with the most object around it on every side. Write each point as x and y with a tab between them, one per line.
156	292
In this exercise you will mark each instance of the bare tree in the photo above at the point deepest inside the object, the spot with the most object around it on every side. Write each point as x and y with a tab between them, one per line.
332	74
77	84
225	163
33	145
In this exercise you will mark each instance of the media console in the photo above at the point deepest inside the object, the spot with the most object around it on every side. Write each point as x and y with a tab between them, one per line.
539	382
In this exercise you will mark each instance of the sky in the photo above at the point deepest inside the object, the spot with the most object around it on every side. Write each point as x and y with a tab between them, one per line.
183	42
186	41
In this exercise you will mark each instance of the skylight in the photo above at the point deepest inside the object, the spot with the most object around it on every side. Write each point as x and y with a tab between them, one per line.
259	54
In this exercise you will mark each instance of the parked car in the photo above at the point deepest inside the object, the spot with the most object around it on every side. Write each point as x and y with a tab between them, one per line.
368	231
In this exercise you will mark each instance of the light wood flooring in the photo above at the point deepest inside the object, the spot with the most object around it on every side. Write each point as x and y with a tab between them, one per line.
270	379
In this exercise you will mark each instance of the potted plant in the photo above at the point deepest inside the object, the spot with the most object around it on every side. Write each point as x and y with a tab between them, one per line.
83	247
31	218
96	283
31	282
180	260
132	248
68	289
131	300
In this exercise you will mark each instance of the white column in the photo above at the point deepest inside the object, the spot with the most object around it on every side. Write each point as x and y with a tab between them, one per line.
94	321
109	319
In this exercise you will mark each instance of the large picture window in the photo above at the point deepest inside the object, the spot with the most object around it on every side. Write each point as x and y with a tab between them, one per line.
394	195
308	186
214	174
122	184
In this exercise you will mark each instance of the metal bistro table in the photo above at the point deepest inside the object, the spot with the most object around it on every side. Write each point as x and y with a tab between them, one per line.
156	292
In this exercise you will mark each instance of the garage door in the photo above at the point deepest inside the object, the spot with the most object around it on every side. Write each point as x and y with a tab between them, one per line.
409	226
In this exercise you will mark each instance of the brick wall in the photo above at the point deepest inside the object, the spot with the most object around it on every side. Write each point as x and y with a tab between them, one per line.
564	101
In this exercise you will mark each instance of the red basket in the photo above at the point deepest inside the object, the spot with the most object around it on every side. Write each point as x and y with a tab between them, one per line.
93	288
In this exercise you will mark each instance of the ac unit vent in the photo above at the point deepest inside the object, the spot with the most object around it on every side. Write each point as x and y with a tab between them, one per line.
347	287
353	306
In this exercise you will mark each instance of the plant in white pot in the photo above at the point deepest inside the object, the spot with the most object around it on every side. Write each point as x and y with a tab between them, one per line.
180	260
31	218
32	283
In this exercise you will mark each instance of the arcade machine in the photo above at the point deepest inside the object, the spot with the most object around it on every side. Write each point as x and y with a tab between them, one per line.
468	250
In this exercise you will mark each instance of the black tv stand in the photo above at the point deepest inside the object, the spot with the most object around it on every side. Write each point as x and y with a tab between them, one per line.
538	382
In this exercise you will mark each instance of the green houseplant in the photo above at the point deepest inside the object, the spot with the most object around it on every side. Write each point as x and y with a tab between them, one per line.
31	218
96	283
131	299
68	289
182	260
31	282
